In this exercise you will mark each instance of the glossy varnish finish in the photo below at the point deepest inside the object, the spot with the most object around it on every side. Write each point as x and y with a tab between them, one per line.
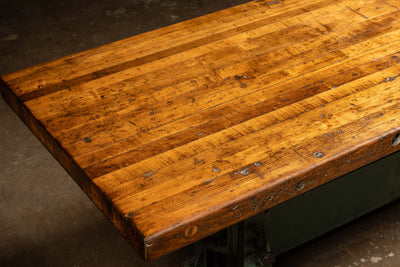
183	131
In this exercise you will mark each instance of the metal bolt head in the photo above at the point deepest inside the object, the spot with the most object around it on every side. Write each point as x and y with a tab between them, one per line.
300	186
215	169
318	154
396	140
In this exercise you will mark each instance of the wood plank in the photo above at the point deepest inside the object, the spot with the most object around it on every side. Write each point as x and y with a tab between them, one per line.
285	186
394	3
173	155
206	51
147	47
299	88
180	132
121	129
234	154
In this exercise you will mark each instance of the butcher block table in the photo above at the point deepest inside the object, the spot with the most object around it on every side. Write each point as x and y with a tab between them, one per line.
183	131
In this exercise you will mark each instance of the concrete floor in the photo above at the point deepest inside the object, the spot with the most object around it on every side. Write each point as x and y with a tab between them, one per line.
46	220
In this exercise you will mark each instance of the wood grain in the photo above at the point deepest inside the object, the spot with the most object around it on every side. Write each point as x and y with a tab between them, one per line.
180	132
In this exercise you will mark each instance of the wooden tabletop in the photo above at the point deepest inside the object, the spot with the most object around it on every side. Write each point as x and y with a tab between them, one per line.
183	131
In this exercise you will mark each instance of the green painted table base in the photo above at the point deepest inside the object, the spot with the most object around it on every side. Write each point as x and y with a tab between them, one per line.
258	239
